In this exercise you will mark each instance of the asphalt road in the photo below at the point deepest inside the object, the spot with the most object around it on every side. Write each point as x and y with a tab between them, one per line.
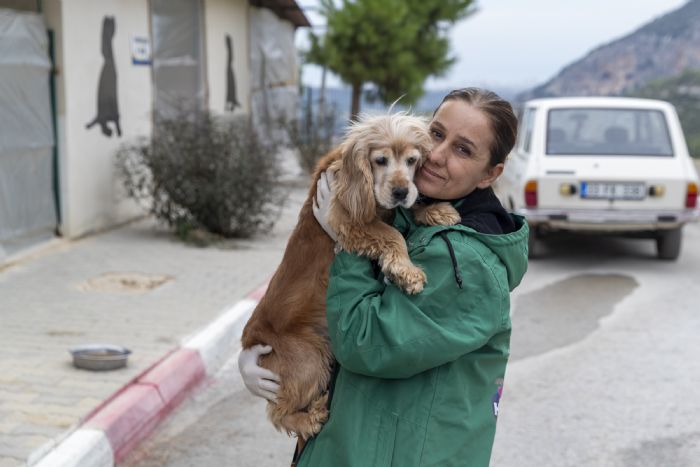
604	371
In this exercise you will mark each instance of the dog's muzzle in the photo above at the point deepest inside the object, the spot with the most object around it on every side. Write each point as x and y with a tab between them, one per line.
399	194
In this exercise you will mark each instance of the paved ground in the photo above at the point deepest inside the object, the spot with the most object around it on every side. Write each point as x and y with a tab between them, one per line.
221	424
134	286
63	296
602	372
599	375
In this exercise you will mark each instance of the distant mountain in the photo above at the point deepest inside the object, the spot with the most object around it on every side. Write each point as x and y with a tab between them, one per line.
660	49
339	99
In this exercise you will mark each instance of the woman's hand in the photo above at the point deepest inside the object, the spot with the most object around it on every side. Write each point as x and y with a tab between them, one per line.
260	381
322	202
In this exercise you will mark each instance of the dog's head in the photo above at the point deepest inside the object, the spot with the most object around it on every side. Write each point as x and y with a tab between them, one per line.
380	155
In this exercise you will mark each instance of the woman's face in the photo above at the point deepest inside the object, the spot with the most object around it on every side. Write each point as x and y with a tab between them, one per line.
459	160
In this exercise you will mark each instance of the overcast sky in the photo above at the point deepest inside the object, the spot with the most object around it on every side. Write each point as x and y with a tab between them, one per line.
521	43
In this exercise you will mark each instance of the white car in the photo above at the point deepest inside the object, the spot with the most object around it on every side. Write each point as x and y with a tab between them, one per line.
602	164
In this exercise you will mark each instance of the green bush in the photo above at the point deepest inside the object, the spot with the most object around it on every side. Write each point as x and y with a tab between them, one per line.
693	141
202	172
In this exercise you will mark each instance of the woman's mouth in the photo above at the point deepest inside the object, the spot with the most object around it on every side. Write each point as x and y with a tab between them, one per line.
430	173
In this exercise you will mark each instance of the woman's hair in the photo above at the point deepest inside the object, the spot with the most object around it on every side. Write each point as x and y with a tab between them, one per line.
499	112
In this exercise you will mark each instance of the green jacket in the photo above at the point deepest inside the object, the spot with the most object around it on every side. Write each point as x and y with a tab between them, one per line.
420	375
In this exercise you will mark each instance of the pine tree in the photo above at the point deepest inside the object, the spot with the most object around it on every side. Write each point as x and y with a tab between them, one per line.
392	45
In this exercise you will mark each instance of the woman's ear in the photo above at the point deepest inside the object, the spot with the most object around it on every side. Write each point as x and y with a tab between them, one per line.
492	173
355	185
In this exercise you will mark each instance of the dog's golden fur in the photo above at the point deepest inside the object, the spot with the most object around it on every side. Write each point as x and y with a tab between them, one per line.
378	156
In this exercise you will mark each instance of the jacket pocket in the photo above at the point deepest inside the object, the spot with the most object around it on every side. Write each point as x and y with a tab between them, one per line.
386	439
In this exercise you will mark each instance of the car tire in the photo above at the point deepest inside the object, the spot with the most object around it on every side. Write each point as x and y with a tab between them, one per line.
668	244
534	244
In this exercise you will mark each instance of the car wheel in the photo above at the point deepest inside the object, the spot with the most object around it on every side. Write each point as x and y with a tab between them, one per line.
668	244
534	244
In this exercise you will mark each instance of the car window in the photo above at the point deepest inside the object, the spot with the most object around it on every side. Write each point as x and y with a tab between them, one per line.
589	131
525	132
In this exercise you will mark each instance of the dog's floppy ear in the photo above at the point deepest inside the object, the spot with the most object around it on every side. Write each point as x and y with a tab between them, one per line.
354	183
424	142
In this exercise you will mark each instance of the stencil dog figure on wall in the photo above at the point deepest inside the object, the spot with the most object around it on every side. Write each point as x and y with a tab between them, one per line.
231	99
107	108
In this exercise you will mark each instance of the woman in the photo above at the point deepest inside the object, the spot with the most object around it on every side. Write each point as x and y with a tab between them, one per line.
421	376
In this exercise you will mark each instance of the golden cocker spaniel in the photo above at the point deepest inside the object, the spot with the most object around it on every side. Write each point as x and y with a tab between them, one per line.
374	168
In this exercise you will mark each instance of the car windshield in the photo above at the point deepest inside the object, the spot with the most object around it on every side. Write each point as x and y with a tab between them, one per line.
582	131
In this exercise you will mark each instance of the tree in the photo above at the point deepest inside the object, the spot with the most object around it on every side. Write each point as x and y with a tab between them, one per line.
393	45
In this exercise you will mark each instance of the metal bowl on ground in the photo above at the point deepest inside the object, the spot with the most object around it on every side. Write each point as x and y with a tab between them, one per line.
99	357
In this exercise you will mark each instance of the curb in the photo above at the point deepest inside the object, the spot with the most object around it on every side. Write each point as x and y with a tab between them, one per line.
127	417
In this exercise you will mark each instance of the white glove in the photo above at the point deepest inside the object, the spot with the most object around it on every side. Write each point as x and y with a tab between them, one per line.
322	203
260	381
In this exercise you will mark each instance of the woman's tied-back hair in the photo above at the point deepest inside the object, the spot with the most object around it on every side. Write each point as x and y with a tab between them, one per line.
499	112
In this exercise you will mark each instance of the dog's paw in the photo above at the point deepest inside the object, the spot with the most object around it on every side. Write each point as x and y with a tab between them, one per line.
317	416
436	214
408	277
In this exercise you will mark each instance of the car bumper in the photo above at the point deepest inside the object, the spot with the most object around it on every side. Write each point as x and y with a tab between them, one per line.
609	220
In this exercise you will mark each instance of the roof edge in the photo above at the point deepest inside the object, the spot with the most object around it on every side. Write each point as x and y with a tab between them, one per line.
285	9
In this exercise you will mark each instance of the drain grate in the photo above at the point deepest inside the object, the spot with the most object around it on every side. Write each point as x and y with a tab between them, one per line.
124	282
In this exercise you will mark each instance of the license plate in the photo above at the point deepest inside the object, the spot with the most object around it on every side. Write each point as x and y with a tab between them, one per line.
605	190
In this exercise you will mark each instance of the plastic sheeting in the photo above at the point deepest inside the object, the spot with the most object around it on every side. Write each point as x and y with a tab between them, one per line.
274	81
178	71
27	205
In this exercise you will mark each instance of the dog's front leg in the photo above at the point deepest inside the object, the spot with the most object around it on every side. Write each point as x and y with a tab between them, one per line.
382	242
435	214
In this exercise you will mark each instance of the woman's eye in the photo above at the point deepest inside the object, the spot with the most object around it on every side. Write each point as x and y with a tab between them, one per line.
464	150
411	160
380	160
437	134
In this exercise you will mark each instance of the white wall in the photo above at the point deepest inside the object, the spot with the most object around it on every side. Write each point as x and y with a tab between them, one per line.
227	17
91	195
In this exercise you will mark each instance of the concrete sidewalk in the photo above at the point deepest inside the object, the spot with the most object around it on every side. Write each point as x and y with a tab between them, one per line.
134	286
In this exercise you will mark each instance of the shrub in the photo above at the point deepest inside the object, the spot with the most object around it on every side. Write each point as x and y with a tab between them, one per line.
202	172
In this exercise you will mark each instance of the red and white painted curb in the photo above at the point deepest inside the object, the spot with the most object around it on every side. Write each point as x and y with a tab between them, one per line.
114	428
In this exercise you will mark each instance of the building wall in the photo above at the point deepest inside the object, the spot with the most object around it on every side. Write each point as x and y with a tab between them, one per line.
91	195
224	17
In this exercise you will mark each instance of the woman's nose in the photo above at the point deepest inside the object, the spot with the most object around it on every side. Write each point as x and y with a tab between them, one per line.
436	155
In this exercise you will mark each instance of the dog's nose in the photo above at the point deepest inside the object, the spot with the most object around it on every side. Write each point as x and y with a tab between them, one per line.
399	193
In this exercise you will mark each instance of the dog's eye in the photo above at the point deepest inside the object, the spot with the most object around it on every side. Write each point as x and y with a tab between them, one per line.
411	160
381	160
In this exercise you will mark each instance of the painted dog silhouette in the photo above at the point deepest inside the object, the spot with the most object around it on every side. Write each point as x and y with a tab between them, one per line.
107	108
231	98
